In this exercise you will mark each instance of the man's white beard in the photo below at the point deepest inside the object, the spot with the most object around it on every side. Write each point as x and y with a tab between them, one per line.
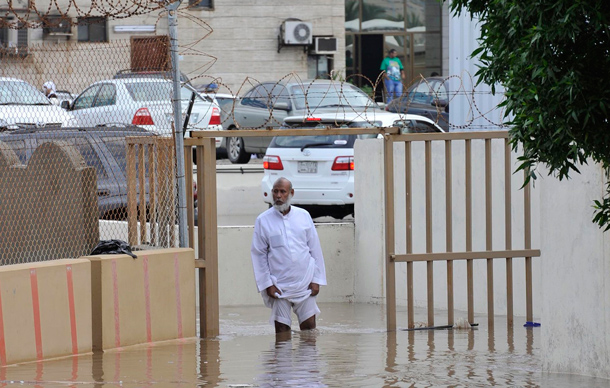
283	208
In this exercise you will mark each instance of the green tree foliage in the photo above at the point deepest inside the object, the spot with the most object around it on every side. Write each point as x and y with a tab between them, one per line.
553	58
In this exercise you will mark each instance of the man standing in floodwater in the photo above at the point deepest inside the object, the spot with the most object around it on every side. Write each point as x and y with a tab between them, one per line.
287	260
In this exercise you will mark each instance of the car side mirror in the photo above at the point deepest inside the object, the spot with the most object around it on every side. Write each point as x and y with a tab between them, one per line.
440	103
65	104
281	106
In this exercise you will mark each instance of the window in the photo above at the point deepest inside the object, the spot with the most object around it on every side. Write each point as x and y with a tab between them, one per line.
106	96
92	29
257	97
13	41
85	100
206	4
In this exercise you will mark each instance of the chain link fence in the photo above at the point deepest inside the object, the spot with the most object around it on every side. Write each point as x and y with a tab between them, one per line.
63	167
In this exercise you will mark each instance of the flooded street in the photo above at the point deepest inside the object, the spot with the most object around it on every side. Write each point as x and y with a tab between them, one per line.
349	348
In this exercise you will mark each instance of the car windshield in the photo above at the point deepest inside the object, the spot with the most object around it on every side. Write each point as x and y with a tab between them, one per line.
323	141
328	95
21	93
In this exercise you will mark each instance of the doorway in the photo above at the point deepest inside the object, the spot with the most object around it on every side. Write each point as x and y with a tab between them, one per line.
370	55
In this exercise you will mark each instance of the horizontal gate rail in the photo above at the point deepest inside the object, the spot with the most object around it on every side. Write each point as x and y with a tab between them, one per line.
450	256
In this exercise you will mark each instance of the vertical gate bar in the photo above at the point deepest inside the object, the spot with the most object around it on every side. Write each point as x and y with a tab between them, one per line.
489	234
508	233
174	194
210	224
152	192
142	199
409	231
429	264
190	203
389	237
201	244
449	230
528	245
132	205
469	262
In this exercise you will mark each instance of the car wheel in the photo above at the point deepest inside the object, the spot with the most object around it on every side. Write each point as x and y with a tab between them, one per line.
236	152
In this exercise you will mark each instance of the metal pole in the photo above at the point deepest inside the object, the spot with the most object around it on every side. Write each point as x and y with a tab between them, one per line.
178	135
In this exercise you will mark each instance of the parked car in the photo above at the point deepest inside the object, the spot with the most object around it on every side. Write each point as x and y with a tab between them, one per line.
269	103
321	167
24	106
226	102
145	102
102	148
427	97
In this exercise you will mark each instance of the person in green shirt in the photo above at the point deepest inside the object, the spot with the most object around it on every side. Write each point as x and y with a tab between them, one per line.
393	75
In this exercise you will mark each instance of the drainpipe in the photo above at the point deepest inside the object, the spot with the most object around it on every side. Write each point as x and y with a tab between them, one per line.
172	20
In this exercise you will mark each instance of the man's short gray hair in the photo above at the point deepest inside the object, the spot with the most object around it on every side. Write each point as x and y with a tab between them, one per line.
281	180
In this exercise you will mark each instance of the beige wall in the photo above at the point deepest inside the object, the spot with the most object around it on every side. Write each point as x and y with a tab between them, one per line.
46	310
151	298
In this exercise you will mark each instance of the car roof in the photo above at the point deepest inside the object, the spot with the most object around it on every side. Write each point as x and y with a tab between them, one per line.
351	116
308	82
132	80
11	79
77	131
164	74
358	116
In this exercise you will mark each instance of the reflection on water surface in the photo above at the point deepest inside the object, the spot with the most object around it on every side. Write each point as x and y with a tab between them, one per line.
349	348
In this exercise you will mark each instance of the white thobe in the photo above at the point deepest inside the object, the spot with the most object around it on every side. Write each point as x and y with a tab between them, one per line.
286	253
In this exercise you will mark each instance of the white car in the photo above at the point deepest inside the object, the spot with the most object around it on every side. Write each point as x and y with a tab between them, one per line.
22	106
321	167
145	102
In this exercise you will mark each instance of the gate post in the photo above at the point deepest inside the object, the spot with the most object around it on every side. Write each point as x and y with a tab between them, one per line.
390	272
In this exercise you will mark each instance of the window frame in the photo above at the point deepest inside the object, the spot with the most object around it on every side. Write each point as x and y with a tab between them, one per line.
86	22
202	4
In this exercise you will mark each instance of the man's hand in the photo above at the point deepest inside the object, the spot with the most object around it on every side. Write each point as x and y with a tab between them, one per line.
272	290
315	289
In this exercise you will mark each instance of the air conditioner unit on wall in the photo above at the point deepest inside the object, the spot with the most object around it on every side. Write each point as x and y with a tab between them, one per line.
324	45
296	32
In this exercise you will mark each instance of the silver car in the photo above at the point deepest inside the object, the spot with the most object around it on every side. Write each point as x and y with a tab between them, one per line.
22	106
145	102
269	103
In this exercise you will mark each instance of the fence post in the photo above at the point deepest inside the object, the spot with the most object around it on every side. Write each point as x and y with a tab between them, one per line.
172	21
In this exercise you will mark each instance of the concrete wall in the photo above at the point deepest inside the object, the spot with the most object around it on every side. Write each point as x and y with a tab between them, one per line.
576	276
242	47
369	235
236	279
151	298
45	310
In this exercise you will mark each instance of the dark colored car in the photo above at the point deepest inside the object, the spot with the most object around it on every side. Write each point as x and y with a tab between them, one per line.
427	97
102	148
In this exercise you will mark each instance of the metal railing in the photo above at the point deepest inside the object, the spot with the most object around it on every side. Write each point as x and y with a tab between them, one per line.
448	255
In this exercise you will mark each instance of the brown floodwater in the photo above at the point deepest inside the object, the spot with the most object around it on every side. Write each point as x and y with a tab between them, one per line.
350	348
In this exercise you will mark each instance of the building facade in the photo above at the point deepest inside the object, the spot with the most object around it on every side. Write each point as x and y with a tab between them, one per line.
236	43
